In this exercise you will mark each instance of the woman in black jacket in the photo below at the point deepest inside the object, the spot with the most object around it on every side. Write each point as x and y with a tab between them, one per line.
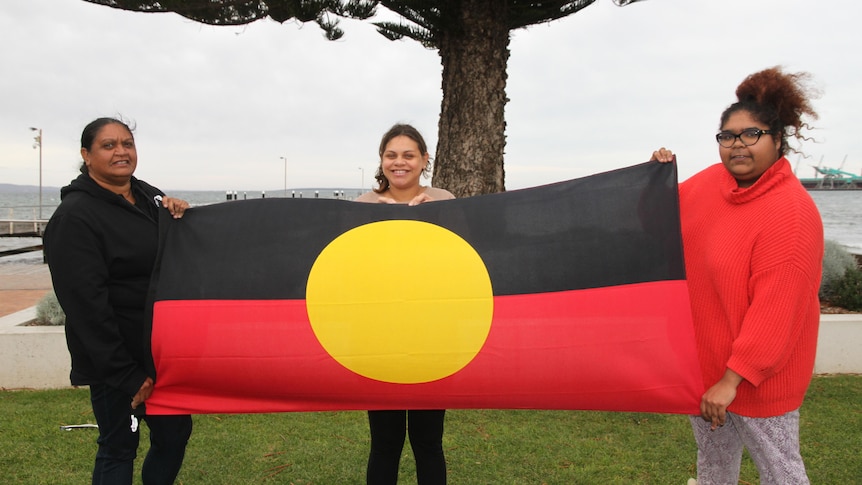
101	245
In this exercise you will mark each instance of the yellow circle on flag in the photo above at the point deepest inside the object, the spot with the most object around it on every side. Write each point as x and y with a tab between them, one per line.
400	301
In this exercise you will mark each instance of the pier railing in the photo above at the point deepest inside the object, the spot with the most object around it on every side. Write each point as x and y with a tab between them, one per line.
22	227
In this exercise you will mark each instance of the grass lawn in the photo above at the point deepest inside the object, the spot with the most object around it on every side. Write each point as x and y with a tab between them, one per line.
482	446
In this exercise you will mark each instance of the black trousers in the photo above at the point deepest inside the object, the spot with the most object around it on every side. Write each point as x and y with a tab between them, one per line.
388	429
118	444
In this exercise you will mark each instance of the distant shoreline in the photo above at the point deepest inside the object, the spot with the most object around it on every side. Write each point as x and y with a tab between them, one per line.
34	189
842	217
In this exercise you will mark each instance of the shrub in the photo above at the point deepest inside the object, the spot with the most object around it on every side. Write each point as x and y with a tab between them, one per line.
49	312
847	291
836	262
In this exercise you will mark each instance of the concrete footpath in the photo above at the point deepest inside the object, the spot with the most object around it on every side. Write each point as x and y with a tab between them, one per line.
22	283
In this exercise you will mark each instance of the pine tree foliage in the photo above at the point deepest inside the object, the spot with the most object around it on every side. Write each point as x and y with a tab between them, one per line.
471	36
430	19
239	12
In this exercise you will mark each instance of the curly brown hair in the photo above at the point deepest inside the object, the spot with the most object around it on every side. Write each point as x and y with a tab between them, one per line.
779	100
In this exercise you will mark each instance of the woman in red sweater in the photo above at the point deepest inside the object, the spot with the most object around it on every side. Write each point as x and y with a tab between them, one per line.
753	243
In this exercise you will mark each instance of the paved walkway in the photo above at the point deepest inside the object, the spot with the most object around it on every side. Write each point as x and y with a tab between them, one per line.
22	284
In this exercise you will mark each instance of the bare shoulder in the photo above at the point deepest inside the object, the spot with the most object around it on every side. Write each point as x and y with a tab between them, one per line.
371	196
439	194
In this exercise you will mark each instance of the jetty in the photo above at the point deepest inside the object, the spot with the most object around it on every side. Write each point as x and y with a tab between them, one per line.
826	178
23	227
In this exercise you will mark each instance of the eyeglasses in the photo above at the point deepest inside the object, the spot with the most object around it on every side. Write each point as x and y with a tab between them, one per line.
747	137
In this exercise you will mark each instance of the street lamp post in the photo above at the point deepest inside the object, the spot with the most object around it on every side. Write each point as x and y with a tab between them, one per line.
285	175
38	144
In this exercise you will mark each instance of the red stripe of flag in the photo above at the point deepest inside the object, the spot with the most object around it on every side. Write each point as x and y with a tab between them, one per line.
622	348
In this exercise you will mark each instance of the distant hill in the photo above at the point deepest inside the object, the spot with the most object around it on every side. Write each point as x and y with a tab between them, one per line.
325	191
25	189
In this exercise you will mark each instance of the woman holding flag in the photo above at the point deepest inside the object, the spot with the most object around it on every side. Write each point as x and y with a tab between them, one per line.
753	243
101	245
403	159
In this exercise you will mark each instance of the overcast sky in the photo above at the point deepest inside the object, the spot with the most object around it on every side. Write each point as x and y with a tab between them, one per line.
217	107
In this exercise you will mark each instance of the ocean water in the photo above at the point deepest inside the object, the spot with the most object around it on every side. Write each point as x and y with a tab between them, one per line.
841	211
25	205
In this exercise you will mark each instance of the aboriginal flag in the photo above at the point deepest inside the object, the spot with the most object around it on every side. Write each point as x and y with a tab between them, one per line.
565	296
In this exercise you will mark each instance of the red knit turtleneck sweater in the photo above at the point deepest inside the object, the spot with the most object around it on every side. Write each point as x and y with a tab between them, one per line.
753	264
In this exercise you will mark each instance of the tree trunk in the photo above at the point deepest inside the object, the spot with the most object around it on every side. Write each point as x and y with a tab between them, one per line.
471	139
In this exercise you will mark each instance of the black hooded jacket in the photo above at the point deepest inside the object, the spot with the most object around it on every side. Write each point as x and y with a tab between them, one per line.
101	249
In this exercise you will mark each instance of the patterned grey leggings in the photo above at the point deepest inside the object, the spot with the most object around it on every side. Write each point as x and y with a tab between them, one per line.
773	444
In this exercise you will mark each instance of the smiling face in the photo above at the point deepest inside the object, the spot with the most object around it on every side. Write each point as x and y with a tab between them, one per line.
747	163
112	158
403	162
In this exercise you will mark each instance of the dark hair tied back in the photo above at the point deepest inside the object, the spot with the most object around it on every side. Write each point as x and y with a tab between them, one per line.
88	136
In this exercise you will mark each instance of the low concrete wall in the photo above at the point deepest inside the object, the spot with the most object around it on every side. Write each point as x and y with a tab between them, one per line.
839	346
37	358
32	357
